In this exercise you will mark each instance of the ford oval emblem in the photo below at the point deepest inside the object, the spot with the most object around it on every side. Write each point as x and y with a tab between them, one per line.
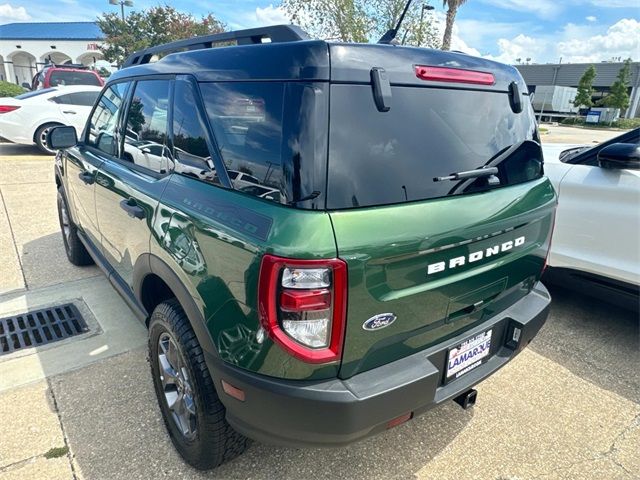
379	321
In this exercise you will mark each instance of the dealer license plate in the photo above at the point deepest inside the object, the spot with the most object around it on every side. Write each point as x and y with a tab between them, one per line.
468	355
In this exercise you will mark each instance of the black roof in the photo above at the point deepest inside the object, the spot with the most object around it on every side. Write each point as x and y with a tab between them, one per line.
294	59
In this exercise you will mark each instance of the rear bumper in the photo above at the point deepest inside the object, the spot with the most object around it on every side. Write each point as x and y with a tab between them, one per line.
337	412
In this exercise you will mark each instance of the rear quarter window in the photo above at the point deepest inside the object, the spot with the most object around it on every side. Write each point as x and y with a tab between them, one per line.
247	124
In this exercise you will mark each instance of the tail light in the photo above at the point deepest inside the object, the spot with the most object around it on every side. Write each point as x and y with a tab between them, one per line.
8	108
302	306
454	75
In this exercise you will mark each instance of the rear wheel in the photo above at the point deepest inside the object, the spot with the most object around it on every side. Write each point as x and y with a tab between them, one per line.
191	409
41	137
73	247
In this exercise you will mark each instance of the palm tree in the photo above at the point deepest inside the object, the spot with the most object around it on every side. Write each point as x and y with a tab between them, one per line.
452	9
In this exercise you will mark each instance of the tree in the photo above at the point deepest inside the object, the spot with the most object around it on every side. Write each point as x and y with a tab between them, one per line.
142	29
362	20
585	88
103	72
618	96
452	9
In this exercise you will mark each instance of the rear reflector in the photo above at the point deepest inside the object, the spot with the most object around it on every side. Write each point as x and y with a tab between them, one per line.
454	75
8	108
294	300
233	391
400	420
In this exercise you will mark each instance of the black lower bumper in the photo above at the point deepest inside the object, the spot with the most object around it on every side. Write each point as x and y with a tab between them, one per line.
336	412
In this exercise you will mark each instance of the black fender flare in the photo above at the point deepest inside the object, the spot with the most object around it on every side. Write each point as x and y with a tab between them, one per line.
147	264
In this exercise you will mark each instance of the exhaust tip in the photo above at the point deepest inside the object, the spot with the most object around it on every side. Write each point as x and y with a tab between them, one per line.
467	399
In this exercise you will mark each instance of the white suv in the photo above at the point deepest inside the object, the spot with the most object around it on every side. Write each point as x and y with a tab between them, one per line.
597	228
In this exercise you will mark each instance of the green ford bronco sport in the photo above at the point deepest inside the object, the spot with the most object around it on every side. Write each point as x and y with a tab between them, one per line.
324	239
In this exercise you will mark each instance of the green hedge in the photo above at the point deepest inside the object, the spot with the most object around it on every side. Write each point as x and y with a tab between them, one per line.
10	89
625	123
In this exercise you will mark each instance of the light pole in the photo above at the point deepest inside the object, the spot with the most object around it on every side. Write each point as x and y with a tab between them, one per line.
122	3
424	8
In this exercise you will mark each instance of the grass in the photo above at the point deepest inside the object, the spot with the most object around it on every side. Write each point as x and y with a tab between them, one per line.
623	123
56	452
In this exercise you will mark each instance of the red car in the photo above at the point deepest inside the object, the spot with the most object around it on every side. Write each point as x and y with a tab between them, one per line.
58	75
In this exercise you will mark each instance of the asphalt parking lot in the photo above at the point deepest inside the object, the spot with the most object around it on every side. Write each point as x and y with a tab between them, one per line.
568	407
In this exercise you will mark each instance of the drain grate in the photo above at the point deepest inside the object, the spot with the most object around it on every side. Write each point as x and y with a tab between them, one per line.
40	327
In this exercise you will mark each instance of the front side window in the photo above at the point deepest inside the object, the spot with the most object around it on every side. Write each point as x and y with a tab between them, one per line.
191	153
145	142
102	131
247	123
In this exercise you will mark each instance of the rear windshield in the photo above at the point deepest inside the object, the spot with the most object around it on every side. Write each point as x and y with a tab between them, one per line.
34	93
378	158
71	77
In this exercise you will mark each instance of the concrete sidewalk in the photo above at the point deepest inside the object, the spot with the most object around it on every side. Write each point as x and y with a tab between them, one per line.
568	407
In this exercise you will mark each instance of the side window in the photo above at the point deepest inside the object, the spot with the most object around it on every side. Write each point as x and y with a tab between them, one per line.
146	133
191	153
102	131
246	118
84	99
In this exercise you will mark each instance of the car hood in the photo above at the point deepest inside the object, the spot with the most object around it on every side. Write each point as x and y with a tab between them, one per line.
552	151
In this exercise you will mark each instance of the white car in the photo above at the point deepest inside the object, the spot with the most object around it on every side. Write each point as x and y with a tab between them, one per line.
28	117
597	227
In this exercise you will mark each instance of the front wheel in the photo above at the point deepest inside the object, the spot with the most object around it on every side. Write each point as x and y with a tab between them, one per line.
73	246
191	409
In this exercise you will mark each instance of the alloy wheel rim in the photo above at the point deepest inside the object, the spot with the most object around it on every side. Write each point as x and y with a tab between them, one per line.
176	386
43	138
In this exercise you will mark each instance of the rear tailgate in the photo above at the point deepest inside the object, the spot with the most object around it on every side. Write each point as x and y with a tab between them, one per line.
389	250
439	253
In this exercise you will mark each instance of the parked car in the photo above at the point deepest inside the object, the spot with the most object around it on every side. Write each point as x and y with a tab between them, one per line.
65	75
596	242
397	267
28	118
262	191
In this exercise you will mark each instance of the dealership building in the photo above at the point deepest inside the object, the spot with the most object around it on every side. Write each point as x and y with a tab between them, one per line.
26	47
568	75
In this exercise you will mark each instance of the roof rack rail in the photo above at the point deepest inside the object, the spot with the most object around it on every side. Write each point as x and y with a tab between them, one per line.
77	66
272	34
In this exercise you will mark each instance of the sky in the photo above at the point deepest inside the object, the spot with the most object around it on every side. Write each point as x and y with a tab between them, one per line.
506	30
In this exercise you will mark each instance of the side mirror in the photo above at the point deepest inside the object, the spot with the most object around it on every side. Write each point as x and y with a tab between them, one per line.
62	137
620	155
145	150
26	85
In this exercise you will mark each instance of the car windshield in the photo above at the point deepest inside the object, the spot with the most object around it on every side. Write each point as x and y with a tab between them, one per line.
73	77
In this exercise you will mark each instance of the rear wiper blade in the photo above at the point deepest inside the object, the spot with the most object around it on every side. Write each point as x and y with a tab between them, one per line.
477	173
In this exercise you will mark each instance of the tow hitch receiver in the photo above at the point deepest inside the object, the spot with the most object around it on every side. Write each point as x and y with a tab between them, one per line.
467	399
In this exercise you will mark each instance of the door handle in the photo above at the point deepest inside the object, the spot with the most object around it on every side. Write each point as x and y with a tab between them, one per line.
133	210
87	177
69	111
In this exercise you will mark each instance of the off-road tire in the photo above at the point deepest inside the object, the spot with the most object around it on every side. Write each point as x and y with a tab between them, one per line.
73	247
40	137
215	442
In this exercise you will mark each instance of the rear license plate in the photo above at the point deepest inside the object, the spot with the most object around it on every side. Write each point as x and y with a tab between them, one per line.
468	355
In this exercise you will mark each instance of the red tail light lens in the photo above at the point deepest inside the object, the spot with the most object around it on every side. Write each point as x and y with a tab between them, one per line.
8	108
454	75
302	306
